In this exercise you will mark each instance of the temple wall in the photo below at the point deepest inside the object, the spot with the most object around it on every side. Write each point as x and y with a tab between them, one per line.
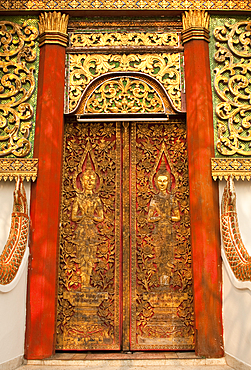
237	302
12	303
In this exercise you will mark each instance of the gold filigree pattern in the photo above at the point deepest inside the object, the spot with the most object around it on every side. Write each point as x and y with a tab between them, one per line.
125	39
119	5
84	68
124	95
232	86
24	168
17	84
162	299
238	168
13	252
88	301
235	251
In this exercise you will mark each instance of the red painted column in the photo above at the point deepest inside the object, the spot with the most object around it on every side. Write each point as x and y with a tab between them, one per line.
45	200
204	202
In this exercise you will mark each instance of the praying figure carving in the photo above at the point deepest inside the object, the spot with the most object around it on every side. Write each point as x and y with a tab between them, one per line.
87	210
163	211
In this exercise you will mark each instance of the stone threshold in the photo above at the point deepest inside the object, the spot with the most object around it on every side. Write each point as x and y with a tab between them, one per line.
135	359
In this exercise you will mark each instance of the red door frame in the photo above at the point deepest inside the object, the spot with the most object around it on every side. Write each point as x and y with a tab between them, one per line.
46	198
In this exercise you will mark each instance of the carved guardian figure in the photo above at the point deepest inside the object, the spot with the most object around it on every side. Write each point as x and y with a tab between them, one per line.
236	253
13	252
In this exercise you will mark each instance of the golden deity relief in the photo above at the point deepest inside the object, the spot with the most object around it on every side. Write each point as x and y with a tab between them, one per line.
86	211
163	210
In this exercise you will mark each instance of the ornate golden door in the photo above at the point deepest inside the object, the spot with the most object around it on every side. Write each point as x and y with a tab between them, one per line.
125	279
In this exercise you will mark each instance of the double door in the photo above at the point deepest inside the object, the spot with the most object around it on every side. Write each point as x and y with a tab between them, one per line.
125	278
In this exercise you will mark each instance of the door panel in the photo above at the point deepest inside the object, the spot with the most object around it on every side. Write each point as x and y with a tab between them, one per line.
161	273
89	268
125	278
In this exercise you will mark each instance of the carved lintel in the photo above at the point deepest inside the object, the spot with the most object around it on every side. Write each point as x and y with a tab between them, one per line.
53	28
11	168
195	25
238	168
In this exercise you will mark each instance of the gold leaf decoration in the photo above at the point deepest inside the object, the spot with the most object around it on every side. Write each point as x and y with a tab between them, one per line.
238	168
53	22
124	95
195	18
85	67
126	39
120	5
161	279
88	300
17	84
12	168
232	85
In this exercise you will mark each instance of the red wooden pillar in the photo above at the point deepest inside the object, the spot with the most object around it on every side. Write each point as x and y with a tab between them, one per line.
45	192
204	202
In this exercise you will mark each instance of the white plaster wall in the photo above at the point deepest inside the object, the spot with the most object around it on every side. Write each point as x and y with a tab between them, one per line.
12	303
237	302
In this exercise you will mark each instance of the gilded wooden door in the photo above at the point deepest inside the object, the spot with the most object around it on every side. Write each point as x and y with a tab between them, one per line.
125	279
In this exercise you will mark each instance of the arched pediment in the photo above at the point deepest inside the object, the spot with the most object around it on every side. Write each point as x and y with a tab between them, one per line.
126	93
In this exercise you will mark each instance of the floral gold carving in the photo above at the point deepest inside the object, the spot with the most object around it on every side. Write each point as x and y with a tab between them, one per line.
195	25
124	95
232	85
53	28
117	5
234	249
88	301
161	278
13	252
126	39
84	68
238	168
17	84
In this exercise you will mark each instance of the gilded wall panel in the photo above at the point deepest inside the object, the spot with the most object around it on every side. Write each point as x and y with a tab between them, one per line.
18	85
230	65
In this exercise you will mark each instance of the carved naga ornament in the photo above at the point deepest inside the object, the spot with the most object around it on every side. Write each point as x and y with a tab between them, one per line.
234	249
14	250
